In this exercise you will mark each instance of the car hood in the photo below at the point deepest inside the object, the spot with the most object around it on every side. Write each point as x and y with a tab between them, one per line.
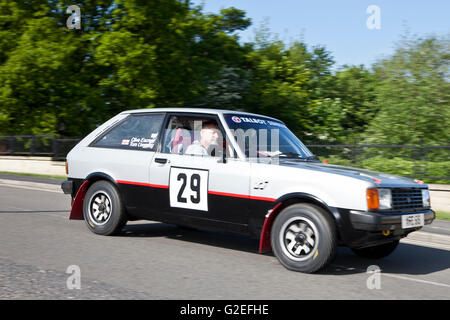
379	178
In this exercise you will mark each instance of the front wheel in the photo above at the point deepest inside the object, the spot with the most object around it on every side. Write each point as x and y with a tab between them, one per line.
303	238
377	252
103	209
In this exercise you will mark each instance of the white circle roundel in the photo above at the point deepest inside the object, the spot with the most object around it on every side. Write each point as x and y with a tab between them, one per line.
236	119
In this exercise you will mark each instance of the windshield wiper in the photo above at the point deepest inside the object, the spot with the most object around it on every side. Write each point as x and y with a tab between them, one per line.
297	156
290	155
312	158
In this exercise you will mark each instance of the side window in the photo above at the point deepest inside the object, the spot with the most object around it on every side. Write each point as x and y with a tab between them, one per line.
137	132
195	136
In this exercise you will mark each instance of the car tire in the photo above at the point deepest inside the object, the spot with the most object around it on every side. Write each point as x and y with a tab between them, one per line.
103	209
377	252
303	238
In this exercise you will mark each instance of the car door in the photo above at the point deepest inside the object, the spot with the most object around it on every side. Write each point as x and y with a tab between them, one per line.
198	189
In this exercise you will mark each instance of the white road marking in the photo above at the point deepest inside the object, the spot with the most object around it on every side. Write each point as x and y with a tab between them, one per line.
428	239
427	244
15	208
28	211
29	188
415	280
395	276
439	228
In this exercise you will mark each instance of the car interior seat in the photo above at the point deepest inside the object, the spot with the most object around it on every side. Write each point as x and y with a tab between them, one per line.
181	140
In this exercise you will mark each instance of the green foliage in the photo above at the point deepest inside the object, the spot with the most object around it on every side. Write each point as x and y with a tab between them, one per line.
442	215
129	54
355	86
397	166
329	115
413	94
332	159
438	169
134	54
279	85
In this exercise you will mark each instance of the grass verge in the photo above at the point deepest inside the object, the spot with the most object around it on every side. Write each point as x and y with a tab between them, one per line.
442	215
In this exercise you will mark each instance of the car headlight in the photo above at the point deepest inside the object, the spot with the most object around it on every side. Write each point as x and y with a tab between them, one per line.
426	198
379	199
385	198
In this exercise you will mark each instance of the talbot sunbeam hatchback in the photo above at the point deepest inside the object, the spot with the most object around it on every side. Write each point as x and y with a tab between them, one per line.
242	173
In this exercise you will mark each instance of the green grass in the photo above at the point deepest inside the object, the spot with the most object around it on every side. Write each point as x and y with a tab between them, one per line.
35	175
442	215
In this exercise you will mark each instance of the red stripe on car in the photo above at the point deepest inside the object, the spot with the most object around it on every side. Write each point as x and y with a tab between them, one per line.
240	196
143	184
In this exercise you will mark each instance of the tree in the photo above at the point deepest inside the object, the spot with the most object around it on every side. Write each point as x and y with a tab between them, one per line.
279	85
128	54
354	86
413	94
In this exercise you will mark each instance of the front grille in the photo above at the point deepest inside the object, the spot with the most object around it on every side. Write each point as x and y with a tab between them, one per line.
406	198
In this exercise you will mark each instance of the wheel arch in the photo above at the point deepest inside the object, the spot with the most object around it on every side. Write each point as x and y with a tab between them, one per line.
76	213
284	202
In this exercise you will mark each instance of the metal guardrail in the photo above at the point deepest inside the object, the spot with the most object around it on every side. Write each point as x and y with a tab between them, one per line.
37	145
354	154
422	156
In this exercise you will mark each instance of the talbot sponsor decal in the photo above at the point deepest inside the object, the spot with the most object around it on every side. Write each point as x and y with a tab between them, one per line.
237	119
274	123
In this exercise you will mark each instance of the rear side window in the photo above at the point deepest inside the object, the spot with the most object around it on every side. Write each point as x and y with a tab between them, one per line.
136	132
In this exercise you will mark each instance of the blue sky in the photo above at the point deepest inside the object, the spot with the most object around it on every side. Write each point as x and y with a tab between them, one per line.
340	25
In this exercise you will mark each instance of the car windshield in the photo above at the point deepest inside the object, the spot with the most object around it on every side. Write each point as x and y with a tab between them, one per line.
263	137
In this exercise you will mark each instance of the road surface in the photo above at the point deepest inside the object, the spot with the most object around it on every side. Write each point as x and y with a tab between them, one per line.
150	260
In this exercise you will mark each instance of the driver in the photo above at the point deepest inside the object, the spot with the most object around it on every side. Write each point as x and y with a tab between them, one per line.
209	134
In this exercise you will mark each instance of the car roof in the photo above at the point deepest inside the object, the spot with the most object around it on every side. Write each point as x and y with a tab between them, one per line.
197	110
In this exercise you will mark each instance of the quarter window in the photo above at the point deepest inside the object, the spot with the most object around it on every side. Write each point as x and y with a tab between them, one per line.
137	132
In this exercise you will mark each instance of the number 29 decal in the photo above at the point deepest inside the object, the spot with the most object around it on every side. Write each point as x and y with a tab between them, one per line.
188	188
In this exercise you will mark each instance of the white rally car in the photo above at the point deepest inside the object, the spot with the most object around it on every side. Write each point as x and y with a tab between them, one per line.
242	173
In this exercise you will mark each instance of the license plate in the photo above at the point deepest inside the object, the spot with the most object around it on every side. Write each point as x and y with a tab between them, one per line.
413	221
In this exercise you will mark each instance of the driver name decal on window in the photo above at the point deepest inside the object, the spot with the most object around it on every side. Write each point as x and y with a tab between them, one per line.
142	142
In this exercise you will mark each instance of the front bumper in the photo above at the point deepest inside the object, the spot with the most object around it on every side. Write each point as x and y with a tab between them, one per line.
67	187
377	221
359	229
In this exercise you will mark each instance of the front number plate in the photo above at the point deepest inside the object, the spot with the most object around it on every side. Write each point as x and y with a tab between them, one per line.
413	221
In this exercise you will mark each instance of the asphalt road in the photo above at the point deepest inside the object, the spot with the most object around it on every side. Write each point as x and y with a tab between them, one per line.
159	261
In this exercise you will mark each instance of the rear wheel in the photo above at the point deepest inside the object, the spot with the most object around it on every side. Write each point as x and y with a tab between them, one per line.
377	252
303	238
103	209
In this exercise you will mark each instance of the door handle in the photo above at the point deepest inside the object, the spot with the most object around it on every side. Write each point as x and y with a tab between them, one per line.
161	160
